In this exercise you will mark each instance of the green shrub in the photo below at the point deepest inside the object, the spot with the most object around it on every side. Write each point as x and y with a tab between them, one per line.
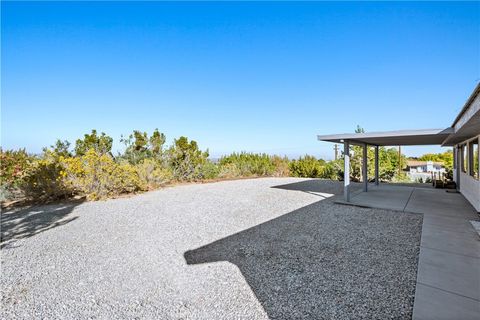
228	171
100	143
186	159
307	167
138	146
250	164
419	180
152	175
402	177
333	170
208	170
59	148
13	166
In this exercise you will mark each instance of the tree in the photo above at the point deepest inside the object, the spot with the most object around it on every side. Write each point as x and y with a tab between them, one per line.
359	129
356	159
186	158
307	166
138	146
101	144
389	162
157	140
446	158
60	148
140	141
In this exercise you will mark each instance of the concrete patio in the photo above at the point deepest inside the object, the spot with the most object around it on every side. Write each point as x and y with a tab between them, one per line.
448	279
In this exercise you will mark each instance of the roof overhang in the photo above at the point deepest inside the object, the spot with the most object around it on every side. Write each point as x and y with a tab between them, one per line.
467	124
467	104
392	138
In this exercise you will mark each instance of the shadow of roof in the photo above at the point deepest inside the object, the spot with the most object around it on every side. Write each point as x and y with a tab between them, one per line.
325	261
318	187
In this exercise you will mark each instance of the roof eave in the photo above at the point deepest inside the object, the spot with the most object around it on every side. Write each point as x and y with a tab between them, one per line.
467	104
391	138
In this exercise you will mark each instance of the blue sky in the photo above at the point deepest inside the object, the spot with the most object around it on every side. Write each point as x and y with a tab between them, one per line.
263	77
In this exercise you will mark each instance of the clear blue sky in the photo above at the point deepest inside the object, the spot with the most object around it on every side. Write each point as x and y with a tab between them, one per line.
263	77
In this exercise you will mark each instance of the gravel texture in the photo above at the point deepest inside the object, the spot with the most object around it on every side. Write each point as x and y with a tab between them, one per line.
275	248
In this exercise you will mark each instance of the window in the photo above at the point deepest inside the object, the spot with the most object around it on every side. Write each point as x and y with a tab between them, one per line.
473	157
463	158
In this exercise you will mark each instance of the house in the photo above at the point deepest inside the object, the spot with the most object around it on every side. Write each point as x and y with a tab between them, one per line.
416	166
424	171
463	135
448	281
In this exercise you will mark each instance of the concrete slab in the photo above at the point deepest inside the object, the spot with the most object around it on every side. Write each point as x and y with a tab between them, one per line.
439	238
453	273
476	226
382	197
440	202
449	223
434	304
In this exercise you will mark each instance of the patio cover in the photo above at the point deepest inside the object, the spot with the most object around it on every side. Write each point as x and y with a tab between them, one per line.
392	138
386	138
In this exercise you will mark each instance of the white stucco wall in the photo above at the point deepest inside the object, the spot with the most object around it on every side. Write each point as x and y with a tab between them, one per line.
470	188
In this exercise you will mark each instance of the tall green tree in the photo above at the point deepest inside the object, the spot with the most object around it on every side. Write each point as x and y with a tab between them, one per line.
356	159
138	146
60	148
102	143
157	141
186	158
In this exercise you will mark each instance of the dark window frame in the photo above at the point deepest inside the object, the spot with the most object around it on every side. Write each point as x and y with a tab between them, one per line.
455	155
463	158
472	166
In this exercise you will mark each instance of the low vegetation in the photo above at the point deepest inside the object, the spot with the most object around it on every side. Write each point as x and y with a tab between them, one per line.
90	169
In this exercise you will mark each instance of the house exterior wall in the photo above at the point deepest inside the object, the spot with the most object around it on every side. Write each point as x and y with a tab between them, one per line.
468	185
470	188
430	166
427	168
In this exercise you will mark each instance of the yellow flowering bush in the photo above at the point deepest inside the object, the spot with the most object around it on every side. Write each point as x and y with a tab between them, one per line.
152	175
43	179
98	176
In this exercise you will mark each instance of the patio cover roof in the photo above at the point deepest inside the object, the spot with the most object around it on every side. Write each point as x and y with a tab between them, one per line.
392	138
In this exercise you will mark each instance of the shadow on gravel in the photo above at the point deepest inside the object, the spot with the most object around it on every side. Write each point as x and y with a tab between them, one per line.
319	187
325	261
25	222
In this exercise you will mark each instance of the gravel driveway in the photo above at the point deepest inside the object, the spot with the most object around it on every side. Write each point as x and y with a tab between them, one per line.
275	248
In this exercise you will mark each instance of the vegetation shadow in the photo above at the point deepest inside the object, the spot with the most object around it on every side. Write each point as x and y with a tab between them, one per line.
322	263
25	222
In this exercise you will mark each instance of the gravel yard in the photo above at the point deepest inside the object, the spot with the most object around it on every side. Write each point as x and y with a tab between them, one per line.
275	248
